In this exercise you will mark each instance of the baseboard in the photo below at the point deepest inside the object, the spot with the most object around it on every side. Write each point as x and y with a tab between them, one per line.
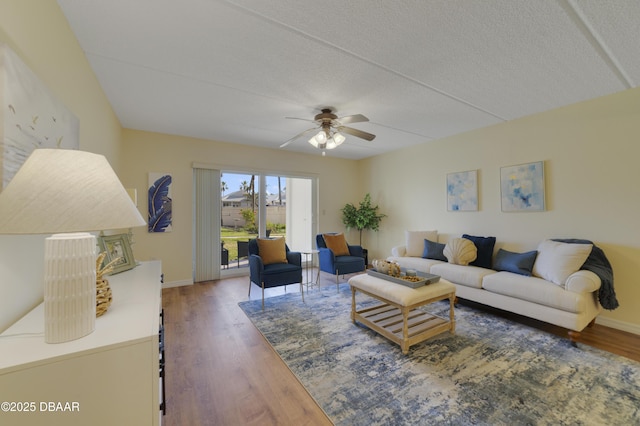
619	325
177	283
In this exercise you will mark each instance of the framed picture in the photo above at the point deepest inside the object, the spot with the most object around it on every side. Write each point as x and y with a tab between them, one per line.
30	116
160	217
117	246
462	191
522	187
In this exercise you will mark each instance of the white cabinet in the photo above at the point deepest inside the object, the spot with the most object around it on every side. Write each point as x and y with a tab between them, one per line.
109	377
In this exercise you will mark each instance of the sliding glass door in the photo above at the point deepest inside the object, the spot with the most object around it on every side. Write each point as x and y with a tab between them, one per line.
260	204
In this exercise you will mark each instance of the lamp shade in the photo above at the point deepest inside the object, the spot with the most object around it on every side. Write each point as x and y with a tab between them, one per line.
59	190
62	192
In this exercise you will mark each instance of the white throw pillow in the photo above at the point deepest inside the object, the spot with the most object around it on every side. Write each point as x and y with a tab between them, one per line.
556	260
460	251
414	240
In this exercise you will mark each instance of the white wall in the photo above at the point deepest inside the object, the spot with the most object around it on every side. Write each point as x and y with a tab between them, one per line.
591	153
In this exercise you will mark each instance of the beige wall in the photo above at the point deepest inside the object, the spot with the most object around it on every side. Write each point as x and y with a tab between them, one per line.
145	152
591	153
38	32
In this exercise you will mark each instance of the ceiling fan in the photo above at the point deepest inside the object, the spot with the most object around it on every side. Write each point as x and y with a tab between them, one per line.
330	128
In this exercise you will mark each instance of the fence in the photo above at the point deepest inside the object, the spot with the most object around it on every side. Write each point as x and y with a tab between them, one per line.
232	216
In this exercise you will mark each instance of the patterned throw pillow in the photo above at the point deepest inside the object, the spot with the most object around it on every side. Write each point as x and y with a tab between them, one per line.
337	244
272	250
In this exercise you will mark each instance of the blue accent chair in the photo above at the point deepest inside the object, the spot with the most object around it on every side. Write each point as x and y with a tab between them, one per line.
274	274
339	265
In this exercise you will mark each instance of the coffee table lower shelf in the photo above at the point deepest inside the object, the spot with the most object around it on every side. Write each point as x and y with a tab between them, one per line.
389	322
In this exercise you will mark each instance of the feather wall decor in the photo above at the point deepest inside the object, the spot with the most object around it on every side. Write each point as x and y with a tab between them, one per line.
160	213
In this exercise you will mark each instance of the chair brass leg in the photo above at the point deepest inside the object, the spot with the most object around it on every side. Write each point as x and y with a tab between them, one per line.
249	295
263	296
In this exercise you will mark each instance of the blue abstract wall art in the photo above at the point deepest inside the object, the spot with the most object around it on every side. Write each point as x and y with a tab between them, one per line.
160	212
462	191
522	187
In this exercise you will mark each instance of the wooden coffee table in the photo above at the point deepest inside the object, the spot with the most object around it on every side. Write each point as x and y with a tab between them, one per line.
397	318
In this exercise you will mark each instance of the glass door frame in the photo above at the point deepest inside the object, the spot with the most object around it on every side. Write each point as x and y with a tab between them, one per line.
261	176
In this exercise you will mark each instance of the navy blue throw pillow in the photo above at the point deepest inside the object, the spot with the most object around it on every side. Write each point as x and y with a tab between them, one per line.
518	263
433	250
485	250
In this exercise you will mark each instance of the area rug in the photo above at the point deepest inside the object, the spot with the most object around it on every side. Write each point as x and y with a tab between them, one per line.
493	371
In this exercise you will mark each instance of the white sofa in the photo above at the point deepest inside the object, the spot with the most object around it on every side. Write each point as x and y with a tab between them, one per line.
570	302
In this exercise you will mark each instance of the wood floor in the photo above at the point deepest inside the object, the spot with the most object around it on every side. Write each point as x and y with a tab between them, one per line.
221	371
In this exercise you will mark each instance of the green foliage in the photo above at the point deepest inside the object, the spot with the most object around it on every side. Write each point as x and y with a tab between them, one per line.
276	228
365	216
249	217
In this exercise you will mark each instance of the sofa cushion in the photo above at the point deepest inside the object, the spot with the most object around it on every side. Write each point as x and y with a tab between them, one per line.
556	260
272	250
337	244
536	290
470	276
417	263
433	250
518	263
460	251
485	247
414	241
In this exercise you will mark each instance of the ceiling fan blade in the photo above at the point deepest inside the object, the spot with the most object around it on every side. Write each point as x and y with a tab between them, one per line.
357	118
357	133
298	118
299	135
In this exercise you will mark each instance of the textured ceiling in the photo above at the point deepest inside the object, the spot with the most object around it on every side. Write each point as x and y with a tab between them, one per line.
420	70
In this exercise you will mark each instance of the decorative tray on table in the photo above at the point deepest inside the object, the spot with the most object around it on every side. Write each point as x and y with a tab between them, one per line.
420	279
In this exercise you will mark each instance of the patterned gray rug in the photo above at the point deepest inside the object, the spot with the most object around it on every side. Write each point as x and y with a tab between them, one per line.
492	372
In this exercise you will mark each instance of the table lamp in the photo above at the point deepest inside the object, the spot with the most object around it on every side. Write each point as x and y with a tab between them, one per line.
67	193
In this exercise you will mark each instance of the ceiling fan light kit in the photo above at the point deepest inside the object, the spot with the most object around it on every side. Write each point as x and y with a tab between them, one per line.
329	136
321	141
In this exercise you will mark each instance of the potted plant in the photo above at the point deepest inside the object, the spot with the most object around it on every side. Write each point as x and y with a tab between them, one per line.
365	216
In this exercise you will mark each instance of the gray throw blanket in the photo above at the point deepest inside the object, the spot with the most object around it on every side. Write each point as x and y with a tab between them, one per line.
598	263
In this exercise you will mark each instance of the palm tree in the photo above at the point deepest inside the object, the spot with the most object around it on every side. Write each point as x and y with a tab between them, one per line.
223	187
244	187
253	193
279	191
248	190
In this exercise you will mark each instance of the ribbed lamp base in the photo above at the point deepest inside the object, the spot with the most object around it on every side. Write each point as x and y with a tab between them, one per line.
69	286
